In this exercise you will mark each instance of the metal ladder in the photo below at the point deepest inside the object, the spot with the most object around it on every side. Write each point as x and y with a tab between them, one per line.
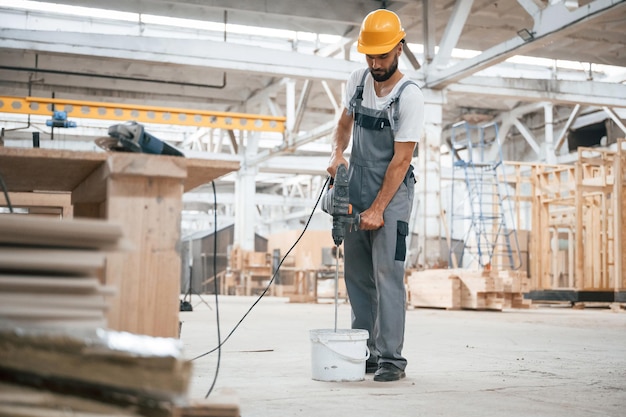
483	213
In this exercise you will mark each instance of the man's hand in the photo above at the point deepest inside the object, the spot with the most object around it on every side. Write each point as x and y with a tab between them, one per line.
334	163
371	220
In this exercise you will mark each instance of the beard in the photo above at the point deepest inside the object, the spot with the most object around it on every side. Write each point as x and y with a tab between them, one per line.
386	74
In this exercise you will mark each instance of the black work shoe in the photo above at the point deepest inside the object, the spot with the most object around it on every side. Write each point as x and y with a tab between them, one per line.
371	367
388	372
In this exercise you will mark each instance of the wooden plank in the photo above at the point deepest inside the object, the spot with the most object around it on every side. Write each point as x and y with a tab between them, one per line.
30	169
37	200
203	171
33	230
434	288
222	406
28	260
478	282
481	300
48	284
619	222
35	313
92	189
23	401
481	291
106	362
77	301
142	165
148	278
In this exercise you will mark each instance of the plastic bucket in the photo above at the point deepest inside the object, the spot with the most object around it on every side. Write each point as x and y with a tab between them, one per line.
339	355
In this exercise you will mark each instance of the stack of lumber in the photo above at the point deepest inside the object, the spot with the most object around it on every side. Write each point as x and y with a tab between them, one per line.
57	357
23	401
98	374
455	289
103	364
50	269
434	288
514	285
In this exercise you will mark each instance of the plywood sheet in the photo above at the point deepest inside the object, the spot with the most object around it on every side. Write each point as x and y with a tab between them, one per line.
48	284
93	301
203	171
33	311
19	229
436	288
28	260
19	400
115	362
27	169
30	169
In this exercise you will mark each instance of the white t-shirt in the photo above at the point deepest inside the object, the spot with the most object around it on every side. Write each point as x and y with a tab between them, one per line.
411	115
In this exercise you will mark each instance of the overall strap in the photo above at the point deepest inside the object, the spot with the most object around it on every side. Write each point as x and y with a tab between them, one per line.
396	109
357	98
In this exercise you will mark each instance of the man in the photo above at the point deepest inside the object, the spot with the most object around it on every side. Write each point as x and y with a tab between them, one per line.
384	116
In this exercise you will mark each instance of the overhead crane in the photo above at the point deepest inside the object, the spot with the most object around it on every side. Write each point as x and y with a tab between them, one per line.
143	114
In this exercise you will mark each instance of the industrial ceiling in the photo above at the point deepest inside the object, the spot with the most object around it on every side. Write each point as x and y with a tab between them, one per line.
296	57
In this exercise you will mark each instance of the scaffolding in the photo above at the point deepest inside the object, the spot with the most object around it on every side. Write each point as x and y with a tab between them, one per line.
481	210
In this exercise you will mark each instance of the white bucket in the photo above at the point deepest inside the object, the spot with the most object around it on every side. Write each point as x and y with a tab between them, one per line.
339	355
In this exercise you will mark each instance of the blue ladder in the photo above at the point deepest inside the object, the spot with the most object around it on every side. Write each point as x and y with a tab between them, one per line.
483	212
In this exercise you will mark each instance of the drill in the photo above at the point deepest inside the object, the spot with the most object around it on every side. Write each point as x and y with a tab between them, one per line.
335	202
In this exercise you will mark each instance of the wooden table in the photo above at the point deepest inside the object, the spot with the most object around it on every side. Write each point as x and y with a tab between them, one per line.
141	192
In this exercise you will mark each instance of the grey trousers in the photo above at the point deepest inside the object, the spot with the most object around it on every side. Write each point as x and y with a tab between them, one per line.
374	273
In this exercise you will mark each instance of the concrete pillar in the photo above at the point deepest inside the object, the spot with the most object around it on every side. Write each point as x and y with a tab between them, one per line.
549	136
290	108
245	195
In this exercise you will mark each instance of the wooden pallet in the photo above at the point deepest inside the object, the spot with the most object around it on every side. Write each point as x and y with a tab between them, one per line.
454	289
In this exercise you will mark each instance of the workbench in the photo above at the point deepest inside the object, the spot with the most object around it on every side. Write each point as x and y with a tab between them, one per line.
141	192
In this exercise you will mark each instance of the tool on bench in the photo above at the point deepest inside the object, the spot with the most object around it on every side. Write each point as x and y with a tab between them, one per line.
132	137
336	203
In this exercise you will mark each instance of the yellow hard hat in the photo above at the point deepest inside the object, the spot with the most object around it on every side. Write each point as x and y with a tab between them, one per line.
381	30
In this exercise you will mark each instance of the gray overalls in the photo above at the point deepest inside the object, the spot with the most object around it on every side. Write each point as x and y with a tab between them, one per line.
374	260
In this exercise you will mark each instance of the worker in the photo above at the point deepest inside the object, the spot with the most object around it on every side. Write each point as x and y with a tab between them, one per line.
383	116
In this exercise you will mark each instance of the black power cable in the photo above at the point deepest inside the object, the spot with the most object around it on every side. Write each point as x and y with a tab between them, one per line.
6	194
217	307
220	342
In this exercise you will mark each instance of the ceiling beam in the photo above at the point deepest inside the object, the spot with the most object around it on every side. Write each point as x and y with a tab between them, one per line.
552	22
201	53
587	93
452	33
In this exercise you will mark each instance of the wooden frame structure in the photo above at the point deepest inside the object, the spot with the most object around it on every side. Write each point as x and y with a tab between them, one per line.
578	218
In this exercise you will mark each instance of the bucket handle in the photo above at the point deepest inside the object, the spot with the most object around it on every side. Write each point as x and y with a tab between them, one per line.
349	358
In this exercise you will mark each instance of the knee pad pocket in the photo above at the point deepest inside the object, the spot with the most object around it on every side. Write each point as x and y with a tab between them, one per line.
403	231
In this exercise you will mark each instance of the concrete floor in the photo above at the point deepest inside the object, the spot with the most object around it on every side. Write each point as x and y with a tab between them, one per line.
546	361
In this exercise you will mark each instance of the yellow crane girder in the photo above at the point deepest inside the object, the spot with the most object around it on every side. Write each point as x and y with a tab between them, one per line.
142	114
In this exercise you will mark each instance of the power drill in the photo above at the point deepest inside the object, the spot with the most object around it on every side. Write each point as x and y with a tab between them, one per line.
336	203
